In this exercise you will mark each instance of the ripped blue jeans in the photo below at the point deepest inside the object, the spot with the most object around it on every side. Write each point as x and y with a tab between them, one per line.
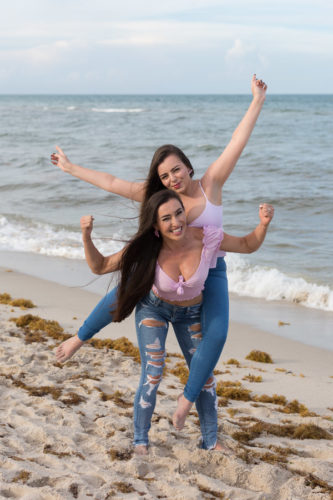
152	318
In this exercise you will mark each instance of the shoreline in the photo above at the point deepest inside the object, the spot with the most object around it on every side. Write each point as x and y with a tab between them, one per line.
309	326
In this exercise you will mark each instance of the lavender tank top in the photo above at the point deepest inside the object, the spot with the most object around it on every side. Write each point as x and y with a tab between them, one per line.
212	215
166	288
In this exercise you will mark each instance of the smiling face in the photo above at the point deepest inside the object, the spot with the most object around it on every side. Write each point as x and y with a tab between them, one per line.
171	220
174	174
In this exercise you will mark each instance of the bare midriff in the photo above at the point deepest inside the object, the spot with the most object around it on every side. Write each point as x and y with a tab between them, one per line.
182	303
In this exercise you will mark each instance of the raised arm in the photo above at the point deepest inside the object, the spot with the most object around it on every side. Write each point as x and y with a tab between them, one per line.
219	171
252	241
96	261
108	182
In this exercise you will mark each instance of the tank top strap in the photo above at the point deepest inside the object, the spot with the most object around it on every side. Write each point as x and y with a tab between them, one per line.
203	192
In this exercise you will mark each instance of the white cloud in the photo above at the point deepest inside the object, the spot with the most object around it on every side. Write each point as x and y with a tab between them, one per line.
237	51
64	43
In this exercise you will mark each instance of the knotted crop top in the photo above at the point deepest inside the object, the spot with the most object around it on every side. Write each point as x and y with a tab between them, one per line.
166	288
212	215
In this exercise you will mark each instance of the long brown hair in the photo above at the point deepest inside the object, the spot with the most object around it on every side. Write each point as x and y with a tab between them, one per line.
153	182
138	262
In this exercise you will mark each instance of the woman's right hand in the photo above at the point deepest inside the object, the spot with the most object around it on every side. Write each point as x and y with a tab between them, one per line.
60	160
86	223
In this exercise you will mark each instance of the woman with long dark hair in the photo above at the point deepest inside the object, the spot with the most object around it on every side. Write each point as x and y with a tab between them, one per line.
163	270
202	199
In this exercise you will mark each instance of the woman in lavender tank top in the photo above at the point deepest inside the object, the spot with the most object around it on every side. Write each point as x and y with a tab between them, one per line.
163	271
171	169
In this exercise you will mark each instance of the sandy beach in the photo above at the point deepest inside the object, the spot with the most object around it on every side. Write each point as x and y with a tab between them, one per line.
66	430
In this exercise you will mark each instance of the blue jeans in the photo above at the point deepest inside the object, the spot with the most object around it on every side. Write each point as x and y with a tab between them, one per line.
214	321
152	318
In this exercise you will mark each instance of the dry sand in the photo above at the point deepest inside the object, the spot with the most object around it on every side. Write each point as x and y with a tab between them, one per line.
66	430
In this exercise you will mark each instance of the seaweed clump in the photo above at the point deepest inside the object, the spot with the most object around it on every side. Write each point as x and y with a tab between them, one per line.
5	298
233	361
213	493
276	399
259	356
22	476
116	454
35	391
116	397
121	344
33	325
303	431
296	407
253	378
181	371
233	390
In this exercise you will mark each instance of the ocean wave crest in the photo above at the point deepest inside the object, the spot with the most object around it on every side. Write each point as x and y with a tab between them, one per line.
272	284
44	239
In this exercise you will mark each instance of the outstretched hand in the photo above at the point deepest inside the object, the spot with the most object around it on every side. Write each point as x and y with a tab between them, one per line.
60	160
87	224
266	213
258	87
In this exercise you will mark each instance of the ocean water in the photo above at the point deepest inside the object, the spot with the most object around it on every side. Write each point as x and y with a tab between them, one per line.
287	162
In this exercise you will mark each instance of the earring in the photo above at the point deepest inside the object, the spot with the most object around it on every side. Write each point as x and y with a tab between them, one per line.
157	234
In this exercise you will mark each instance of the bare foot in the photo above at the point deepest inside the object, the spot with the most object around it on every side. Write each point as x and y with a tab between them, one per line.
223	448
68	348
183	409
141	449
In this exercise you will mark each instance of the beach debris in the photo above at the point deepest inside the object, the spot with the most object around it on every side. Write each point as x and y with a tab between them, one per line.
259	356
121	344
116	397
232	390
72	398
301	431
5	298
117	454
180	371
252	378
74	490
233	361
276	399
32	324
296	407
283	323
22	477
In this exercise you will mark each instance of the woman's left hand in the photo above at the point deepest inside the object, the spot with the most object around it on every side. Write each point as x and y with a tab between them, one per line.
266	213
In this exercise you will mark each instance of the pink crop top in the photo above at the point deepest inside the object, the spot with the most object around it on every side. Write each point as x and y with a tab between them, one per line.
212	215
166	288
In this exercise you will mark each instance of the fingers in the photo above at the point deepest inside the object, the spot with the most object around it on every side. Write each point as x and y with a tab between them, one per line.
266	210
86	222
259	83
59	150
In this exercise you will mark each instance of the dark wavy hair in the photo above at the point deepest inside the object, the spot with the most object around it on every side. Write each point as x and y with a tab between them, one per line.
137	266
153	182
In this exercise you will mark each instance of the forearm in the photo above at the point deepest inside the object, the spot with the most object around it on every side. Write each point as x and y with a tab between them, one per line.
102	180
254	240
242	133
94	258
219	171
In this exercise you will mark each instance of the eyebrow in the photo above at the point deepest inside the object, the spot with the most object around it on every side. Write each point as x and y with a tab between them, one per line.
165	173
175	212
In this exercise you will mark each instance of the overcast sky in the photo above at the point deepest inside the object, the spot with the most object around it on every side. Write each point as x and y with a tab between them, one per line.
171	46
